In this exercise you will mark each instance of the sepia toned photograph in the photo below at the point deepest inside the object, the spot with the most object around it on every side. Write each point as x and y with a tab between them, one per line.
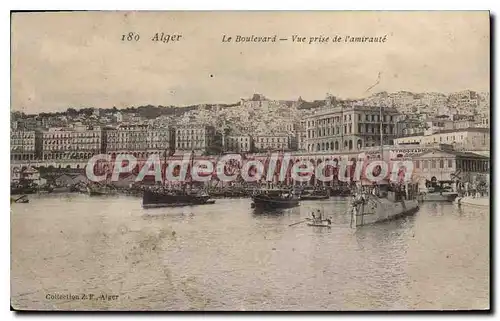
250	161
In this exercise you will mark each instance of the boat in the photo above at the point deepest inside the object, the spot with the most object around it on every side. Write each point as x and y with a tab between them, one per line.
20	189
314	195
438	193
319	222
174	198
386	201
369	209
58	189
21	199
438	197
319	225
275	198
100	190
168	197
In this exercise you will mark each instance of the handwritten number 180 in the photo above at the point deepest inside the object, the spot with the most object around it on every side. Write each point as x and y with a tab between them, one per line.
131	36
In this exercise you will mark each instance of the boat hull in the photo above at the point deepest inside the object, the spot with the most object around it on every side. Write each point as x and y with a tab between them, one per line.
438	197
158	199
319	225
158	205
382	210
314	197
270	202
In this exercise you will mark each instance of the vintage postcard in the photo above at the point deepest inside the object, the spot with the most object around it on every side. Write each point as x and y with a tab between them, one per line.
250	161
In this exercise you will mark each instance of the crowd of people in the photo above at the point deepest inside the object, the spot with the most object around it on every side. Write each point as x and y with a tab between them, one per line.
466	189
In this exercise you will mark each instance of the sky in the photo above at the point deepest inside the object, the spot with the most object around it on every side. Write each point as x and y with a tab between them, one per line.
78	59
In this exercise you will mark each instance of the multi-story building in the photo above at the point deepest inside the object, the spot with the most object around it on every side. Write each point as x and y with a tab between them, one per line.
350	128
409	140
406	126
140	140
466	139
196	137
437	124
463	121
238	144
25	145
127	139
301	135
80	144
483	120
450	165
271	142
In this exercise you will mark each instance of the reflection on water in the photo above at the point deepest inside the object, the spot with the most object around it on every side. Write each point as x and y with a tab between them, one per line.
227	256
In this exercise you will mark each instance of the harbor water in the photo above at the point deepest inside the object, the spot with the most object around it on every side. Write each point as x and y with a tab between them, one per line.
225	256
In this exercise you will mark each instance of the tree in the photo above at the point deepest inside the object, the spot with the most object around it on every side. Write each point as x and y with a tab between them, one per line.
71	112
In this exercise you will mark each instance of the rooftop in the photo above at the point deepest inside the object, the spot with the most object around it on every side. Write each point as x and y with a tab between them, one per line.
456	153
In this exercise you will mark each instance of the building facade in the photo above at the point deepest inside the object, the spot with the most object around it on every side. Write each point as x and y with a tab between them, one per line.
140	140
448	165
64	144
238	144
25	145
466	139
301	135
350	128
271	142
196	137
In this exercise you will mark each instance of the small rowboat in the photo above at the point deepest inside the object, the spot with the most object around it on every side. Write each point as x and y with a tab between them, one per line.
21	199
319	225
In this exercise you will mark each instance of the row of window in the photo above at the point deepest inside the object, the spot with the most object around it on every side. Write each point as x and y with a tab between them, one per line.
468	165
271	145
192	131
433	163
74	147
241	145
70	135
130	134
22	141
272	140
348	118
191	144
150	139
368	128
125	146
22	157
84	156
21	148
15	135
77	141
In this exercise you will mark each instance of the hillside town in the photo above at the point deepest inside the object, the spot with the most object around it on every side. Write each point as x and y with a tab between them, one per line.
411	125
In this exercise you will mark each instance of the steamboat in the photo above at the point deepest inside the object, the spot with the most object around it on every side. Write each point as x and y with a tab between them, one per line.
171	197
275	198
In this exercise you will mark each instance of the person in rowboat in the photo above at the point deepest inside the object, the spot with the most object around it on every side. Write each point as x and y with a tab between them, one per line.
320	217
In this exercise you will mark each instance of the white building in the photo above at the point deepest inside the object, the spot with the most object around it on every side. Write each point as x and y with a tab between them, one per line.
241	143
466	139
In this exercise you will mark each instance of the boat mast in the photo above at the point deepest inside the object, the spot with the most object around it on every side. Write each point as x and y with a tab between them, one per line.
191	171
381	136
165	171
